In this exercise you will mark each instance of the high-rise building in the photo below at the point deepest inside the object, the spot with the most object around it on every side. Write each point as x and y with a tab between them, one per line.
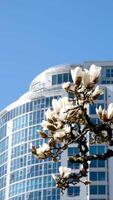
22	176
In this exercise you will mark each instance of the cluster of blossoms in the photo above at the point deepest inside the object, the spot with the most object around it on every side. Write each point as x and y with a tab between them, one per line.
68	123
105	115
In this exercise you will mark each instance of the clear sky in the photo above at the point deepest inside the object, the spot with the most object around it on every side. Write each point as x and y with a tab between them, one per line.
37	34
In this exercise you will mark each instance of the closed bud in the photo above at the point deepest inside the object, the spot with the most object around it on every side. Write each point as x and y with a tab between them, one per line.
42	134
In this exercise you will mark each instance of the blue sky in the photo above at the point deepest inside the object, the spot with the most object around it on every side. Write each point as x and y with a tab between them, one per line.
37	34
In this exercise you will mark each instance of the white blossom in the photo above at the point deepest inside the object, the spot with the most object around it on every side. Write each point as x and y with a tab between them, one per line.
86	78
99	110
110	111
94	72
98	91
43	151
64	171
59	135
54	177
105	115
45	147
66	86
76	74
49	114
67	128
45	124
31	145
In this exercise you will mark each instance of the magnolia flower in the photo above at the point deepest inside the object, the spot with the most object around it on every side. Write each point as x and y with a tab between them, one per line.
99	111
61	103
110	111
94	72
86	78
67	128
48	126
54	177
66	86
49	114
64	171
59	135
97	92
56	105
57	117
105	115
45	147
77	75
42	152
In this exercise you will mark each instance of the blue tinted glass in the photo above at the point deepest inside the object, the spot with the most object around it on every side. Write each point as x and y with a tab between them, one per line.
101	149
101	97
93	163
73	191
101	176
93	149
73	165
104	82
101	189
65	77
101	163
92	109
54	79
93	189
93	176
72	151
59	78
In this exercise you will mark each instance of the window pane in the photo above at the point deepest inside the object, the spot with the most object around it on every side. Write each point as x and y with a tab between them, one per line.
92	109
93	163
93	176
93	189
101	189
59	78
54	79
93	149
101	176
101	149
101	163
73	191
65	77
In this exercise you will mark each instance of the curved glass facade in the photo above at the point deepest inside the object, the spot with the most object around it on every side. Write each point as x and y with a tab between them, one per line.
22	176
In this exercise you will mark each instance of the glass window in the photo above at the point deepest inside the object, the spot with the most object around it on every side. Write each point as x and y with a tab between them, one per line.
107	73
101	149
101	189
93	163
101	176
73	165
93	149
93	189
73	191
101	97
59	78
103	82
101	163
111	72
92	109
72	151
54	79
65	77
93	176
